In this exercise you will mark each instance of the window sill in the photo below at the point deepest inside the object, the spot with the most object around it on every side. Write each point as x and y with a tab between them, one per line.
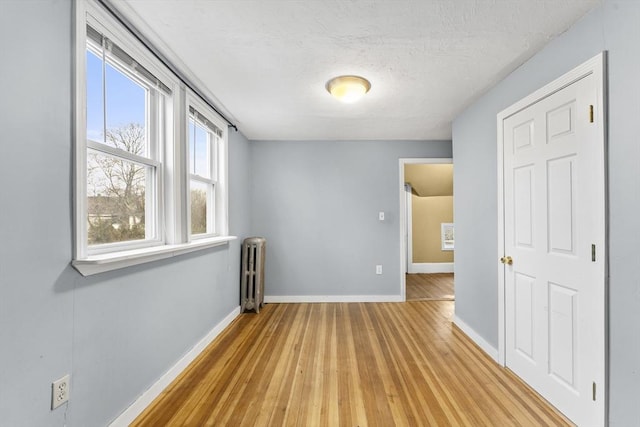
106	262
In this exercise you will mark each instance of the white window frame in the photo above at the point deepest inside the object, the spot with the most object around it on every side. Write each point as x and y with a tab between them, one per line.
157	112
172	236
217	218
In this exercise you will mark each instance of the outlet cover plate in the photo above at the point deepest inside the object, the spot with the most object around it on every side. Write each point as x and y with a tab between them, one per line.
60	391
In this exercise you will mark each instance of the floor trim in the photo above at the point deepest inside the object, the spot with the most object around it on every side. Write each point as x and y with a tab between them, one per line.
145	399
331	298
431	267
476	338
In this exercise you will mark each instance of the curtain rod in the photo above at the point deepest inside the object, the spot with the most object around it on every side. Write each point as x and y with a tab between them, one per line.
160	57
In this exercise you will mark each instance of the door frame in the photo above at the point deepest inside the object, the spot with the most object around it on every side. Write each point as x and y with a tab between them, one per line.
404	226
596	66
409	228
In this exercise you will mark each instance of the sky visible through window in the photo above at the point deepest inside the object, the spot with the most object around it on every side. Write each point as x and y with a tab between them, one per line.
125	100
198	149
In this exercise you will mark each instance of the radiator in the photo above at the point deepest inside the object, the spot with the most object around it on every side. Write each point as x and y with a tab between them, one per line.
252	280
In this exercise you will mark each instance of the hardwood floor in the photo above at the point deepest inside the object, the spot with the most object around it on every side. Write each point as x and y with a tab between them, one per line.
358	364
426	287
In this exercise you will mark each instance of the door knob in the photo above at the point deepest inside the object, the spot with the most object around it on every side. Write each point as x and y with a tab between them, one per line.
506	260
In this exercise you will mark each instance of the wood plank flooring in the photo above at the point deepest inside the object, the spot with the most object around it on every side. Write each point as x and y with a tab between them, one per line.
427	287
357	364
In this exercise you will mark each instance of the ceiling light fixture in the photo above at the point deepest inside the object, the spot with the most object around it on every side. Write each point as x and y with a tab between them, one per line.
348	89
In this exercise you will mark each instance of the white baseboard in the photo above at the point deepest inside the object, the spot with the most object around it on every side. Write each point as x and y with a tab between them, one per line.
431	267
475	337
144	400
331	298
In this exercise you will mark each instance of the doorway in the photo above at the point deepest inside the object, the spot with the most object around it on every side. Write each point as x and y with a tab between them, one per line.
552	225
426	229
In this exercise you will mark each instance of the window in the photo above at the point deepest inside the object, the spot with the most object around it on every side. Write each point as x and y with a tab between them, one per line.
124	120
205	143
133	165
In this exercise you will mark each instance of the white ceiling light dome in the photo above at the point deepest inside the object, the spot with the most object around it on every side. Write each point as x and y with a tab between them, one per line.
348	89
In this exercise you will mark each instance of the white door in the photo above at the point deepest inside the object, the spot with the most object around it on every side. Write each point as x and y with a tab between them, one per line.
554	249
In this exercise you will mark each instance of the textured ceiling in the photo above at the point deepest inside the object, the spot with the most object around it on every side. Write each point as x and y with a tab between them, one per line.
266	62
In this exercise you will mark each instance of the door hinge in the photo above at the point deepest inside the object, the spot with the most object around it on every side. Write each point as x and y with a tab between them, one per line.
594	391
590	113
593	253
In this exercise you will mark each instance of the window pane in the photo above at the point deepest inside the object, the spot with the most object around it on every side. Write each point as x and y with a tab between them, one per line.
115	199
200	152
95	112
126	104
213	146
192	144
199	202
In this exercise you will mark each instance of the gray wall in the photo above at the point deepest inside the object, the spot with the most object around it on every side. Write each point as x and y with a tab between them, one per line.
116	333
317	204
612	27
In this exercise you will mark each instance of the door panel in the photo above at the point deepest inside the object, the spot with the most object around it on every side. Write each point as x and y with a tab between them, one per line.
523	136
561	121
524	308
523	205
560	204
563	302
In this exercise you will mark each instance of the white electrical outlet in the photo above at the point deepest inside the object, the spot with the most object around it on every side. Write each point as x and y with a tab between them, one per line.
60	391
381	216
378	269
